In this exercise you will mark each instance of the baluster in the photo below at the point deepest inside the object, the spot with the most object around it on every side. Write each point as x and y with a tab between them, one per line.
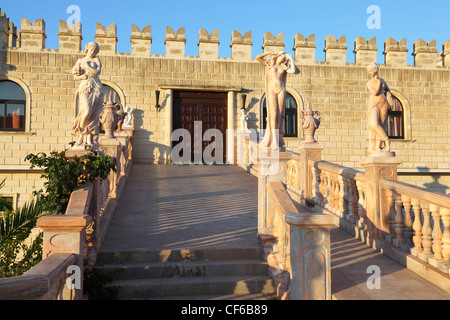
391	212
349	197
426	230
399	220
437	232
361	185
417	225
408	231
445	213
354	203
322	193
314	184
342	194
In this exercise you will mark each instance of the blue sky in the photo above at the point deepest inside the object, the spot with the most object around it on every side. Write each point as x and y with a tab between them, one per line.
399	19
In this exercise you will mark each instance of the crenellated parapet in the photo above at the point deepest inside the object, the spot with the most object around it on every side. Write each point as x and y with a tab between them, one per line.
335	50
241	46
175	42
70	37
106	37
273	44
365	50
208	44
32	35
425	54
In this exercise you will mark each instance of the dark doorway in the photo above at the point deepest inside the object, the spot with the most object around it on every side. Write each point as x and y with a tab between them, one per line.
208	107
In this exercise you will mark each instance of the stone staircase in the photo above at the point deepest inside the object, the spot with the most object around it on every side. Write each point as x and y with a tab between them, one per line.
190	274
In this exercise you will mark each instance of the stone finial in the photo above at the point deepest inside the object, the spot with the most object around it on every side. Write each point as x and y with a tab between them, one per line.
175	42
335	50
32	35
141	41
273	44
106	37
208	43
395	52
310	123
365	51
446	52
241	46
305	48
425	54
70	37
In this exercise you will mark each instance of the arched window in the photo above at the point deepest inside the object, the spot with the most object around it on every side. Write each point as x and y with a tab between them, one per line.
12	107
290	117
396	128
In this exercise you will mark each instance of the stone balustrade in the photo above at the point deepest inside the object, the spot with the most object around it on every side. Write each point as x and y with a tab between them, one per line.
407	223
75	237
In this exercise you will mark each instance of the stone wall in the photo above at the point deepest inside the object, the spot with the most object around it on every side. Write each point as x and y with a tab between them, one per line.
334	87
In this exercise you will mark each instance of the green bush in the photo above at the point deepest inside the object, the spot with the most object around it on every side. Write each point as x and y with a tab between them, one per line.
64	175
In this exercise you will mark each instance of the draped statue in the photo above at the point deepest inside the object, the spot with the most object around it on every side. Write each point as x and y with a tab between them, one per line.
90	97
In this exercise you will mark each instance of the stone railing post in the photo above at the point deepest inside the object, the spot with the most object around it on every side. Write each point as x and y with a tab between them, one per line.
67	233
310	255
377	168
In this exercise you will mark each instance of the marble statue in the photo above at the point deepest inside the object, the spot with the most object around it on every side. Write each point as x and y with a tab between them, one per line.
380	102
90	97
244	120
277	66
128	116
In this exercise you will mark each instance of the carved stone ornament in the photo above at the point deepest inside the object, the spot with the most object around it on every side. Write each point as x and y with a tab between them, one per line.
310	123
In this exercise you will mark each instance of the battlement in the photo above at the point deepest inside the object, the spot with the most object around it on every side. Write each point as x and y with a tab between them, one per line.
31	37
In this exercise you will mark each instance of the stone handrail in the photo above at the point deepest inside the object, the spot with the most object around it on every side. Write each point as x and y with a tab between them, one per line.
75	237
300	247
41	281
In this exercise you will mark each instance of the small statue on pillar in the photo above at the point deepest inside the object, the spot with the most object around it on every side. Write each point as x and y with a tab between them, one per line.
310	124
380	102
244	120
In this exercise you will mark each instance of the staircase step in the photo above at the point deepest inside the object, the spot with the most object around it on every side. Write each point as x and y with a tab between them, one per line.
156	270
194	286
211	254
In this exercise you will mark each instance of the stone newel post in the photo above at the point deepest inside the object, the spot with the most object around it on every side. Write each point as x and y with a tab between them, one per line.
310	256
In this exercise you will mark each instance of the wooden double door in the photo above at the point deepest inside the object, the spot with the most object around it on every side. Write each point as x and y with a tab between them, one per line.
198	112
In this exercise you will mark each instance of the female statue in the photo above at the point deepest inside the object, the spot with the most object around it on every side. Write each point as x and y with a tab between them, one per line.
380	102
277	68
90	97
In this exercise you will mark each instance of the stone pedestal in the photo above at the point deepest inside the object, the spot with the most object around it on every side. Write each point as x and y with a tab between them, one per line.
380	165
310	255
272	167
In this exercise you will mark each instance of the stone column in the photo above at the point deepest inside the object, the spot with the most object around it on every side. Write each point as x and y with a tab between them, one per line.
272	167
310	255
308	151
377	167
